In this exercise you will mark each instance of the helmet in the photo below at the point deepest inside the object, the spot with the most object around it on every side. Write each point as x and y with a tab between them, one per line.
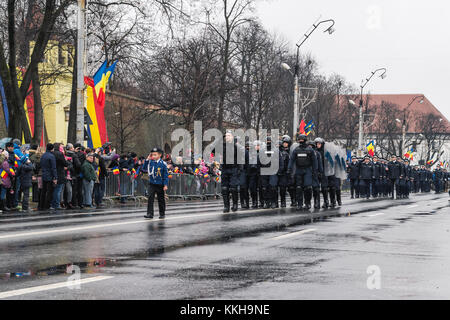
319	140
311	143
302	137
257	143
287	139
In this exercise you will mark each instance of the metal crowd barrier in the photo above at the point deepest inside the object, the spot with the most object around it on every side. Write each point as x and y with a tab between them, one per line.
124	187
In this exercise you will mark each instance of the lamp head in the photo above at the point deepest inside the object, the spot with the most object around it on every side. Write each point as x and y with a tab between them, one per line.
285	66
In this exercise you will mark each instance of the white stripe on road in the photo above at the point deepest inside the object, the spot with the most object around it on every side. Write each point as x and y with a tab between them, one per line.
413	206
98	226
292	234
376	215
20	292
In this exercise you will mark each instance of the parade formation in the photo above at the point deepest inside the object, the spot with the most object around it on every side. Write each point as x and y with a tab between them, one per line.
309	169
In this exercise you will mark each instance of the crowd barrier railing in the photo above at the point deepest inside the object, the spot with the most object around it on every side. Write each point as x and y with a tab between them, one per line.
125	186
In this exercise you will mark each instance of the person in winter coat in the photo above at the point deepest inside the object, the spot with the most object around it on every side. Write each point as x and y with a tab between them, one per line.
61	167
49	177
26	174
89	177
6	180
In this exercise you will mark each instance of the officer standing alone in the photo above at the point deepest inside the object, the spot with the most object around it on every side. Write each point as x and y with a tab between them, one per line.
158	182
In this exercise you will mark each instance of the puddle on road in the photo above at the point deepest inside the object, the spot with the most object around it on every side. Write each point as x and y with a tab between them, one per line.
90	267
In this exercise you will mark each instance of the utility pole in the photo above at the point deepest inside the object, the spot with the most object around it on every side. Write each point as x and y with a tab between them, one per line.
81	67
296	119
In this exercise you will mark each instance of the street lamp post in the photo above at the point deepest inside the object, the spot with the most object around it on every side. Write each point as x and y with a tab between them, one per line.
361	119
402	145
330	30
81	67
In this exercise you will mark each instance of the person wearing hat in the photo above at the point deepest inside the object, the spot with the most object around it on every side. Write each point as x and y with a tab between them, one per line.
302	164
316	177
269	183
158	182
254	175
284	180
353	175
377	176
365	177
394	173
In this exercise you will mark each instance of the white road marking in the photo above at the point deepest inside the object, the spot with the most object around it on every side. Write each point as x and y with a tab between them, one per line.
292	234
413	206
98	226
20	292
376	214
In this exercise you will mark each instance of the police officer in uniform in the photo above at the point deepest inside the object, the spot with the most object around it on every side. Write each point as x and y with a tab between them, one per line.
353	175
254	174
304	163
283	177
316	177
244	180
327	183
377	176
365	177
230	173
395	171
269	183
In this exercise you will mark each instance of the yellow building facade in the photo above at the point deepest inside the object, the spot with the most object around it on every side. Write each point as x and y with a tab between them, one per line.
55	71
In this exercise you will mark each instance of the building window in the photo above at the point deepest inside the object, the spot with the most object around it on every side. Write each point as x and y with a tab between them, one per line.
67	113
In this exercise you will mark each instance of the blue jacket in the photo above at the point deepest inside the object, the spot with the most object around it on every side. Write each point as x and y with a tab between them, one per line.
48	166
157	172
22	157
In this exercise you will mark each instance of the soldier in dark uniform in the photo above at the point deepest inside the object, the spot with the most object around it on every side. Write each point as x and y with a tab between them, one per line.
429	179
415	179
423	179
365	177
437	179
230	173
244	180
377	177
283	177
254	174
327	182
409	177
316	177
353	175
269	183
395	170
304	163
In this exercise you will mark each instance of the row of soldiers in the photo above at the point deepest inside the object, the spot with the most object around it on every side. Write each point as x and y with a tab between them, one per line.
381	178
300	173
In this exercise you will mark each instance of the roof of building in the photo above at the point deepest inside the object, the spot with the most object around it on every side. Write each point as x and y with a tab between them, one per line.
414	111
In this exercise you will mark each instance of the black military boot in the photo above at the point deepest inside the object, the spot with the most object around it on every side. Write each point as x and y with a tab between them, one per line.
338	197
274	197
332	198
243	196
254	200
299	198
283	197
326	204
235	198
292	195
308	196
316	195
226	201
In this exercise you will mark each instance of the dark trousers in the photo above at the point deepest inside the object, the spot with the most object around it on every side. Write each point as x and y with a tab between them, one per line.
26	197
159	191
77	192
46	194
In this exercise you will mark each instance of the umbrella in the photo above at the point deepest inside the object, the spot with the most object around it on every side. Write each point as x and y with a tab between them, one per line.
4	141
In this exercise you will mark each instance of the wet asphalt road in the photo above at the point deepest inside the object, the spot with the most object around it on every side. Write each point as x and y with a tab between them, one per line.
197	252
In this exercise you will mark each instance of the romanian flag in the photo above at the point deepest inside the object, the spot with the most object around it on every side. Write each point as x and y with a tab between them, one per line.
170	176
98	171
309	127
217	179
96	89
4	174
133	171
116	171
11	171
128	173
176	170
371	148
196	171
206	175
301	129
429	162
136	173
16	165
408	155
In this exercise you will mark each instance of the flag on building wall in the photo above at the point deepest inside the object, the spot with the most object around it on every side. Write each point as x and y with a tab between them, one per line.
96	89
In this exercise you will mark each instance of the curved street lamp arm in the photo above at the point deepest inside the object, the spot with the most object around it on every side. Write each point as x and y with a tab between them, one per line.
372	74
315	26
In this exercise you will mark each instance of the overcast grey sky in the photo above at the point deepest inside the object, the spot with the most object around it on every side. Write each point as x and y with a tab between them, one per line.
411	38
